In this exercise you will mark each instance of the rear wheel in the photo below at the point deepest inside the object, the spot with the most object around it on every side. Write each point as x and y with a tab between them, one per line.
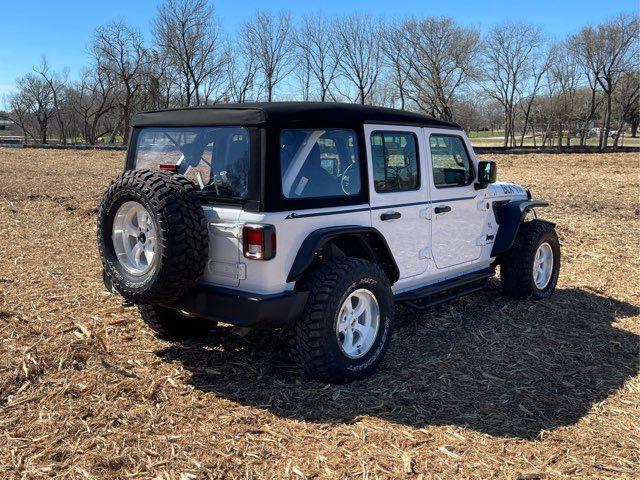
168	323
531	268
345	329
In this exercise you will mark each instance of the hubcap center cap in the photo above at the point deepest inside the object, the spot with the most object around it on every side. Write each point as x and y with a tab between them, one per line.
142	238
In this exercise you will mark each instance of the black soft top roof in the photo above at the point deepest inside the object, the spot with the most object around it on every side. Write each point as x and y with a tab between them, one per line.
284	114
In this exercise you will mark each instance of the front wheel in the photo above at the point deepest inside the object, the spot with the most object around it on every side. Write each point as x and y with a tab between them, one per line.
345	328
531	268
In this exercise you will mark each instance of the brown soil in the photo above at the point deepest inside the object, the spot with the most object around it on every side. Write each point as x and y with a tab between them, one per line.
483	387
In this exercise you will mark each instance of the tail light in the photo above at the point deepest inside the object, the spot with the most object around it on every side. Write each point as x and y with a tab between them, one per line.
259	242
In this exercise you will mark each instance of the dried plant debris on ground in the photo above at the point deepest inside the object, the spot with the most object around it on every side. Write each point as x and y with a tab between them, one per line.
483	387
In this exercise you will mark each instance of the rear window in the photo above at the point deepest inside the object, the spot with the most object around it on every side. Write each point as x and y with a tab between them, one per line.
216	159
318	163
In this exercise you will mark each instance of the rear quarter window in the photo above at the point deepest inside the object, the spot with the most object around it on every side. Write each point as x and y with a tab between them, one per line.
316	163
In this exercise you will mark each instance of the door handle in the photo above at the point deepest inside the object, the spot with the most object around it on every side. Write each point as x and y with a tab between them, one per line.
390	216
443	209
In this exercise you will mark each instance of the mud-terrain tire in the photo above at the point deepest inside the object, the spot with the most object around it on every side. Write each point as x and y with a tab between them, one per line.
170	324
518	267
316	343
180	240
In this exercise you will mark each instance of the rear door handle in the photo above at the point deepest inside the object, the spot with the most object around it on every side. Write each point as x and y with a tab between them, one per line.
390	216
443	209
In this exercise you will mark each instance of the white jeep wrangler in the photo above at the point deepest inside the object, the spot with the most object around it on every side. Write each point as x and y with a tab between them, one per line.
315	217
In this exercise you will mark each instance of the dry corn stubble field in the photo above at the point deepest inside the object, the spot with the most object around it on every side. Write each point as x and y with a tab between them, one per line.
483	387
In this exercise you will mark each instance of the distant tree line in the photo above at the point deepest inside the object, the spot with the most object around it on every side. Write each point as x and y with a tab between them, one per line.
512	79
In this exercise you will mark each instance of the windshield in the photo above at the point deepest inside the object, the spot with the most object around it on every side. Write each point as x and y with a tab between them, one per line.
215	159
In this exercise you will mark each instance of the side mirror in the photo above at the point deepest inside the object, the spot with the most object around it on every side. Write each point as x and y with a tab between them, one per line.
487	173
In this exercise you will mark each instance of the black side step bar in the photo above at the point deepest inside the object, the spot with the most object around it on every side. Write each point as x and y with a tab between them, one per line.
446	290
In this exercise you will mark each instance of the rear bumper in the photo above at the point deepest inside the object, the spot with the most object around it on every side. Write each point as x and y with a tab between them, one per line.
243	308
237	307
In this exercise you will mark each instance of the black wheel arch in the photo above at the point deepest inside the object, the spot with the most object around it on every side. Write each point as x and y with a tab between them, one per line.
351	240
509	217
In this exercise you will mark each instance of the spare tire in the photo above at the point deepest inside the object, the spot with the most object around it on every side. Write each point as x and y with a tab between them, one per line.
152	236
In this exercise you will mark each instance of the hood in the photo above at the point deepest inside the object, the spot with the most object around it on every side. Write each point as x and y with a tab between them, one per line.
506	190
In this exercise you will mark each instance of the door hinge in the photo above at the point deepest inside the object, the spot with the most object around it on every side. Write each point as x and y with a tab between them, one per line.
483	205
424	253
426	213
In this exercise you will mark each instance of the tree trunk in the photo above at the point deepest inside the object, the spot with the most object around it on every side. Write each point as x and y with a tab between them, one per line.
533	133
617	137
607	123
592	113
634	126
559	136
127	126
506	126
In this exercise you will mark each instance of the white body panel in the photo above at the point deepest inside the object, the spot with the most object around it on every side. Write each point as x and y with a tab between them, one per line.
270	276
428	248
456	234
408	237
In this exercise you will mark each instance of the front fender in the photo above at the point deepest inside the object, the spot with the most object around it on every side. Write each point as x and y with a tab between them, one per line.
510	216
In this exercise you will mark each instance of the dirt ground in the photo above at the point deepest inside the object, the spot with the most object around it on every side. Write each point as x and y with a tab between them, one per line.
483	387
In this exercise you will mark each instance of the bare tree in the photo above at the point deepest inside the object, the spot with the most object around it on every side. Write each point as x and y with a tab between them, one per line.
90	100
442	58
565	73
510	51
396	58
633	116
605	51
32	107
539	68
58	86
319	59
356	41
119	49
241	75
626	101
269	40
188	34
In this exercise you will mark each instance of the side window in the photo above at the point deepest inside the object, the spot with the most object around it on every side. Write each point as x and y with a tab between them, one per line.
452	166
395	161
319	163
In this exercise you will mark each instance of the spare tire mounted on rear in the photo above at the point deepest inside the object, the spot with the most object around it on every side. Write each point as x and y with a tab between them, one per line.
152	235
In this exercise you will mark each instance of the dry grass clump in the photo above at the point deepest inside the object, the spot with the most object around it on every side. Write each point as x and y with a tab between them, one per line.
483	387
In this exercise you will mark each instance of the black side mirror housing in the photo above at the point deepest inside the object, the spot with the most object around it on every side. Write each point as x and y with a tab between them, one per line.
487	173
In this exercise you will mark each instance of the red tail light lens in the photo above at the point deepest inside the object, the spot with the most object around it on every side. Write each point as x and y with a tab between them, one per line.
259	242
169	168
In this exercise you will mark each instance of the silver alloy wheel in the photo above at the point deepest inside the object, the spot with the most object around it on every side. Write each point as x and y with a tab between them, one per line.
134	238
358	323
543	265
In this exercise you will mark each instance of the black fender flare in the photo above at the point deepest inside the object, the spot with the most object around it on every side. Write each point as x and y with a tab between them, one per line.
370	239
509	217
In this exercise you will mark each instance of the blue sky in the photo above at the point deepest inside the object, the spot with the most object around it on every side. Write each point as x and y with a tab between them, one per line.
62	29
